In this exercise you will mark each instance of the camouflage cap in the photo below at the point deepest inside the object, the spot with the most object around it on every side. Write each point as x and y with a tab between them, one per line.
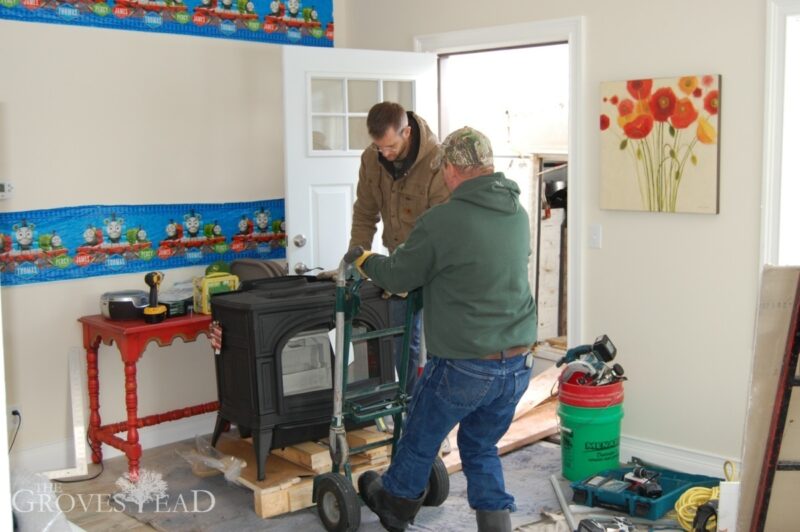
465	147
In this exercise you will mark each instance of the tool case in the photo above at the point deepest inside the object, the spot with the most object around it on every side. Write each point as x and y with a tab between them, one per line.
610	489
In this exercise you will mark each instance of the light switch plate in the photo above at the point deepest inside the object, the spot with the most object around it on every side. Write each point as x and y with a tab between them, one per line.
595	236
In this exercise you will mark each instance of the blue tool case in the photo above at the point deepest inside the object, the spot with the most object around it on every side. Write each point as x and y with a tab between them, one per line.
611	489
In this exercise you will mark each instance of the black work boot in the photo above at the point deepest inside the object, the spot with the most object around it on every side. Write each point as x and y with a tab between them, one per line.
395	513
493	520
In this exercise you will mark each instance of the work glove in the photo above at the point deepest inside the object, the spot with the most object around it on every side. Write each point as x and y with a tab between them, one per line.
358	255
386	295
328	275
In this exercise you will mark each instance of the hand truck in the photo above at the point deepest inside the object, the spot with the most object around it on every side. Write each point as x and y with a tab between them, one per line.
338	504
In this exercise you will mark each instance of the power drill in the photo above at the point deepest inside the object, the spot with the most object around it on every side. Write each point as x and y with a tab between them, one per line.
153	312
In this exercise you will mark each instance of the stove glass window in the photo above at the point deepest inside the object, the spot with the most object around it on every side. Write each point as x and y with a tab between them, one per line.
306	361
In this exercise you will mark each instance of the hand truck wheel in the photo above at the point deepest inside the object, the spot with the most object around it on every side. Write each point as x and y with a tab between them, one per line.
438	484
337	503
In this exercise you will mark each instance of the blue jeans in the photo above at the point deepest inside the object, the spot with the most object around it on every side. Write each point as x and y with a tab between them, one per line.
481	395
397	317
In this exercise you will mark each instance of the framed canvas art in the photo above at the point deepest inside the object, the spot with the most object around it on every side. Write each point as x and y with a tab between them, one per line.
659	144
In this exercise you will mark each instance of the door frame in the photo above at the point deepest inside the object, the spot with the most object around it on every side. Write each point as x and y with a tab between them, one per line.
778	11
571	31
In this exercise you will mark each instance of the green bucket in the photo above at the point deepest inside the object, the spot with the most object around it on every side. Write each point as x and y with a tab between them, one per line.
589	439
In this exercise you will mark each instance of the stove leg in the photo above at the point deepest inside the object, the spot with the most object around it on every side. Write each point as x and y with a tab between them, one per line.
219	427
262	444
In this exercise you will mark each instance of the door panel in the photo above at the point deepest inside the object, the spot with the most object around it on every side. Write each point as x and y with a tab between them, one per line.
327	93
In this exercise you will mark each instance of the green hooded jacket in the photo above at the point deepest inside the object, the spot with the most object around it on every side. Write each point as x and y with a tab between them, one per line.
470	255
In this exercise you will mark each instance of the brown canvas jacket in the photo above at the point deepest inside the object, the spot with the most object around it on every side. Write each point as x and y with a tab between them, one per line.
398	202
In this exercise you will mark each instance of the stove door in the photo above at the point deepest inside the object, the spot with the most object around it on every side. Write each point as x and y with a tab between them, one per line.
306	362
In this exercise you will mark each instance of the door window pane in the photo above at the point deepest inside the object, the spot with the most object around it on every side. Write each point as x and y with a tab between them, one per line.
327	133
359	138
327	96
340	125
361	95
401	92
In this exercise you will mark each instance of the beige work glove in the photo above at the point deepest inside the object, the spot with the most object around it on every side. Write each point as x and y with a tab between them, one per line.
328	275
386	294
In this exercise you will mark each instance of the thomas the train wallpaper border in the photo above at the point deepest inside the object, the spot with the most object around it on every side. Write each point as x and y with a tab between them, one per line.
87	241
306	23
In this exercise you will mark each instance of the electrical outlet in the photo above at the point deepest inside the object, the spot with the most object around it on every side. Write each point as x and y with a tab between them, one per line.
11	419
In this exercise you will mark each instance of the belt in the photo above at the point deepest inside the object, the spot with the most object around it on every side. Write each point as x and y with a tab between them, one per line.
511	352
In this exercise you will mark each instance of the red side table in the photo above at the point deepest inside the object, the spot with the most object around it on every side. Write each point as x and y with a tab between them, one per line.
132	338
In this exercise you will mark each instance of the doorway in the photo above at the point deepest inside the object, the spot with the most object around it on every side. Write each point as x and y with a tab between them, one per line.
518	97
566	30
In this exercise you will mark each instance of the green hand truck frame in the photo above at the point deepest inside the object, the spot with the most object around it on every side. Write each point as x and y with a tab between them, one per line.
338	504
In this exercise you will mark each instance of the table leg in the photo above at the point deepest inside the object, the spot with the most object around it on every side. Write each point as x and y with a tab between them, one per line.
134	448
94	402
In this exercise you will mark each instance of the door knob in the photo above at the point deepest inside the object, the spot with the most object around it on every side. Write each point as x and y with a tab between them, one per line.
299	240
301	269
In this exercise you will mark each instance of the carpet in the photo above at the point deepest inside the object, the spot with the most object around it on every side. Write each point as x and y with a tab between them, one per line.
527	472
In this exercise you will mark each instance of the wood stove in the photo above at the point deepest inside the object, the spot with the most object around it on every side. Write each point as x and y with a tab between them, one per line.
275	368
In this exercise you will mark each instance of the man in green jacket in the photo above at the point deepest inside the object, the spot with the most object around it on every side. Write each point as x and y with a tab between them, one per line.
470	256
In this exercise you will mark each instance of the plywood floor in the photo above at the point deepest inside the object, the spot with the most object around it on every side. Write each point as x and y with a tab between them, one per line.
110	521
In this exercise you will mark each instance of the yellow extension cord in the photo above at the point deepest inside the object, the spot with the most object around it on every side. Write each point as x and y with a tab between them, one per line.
688	503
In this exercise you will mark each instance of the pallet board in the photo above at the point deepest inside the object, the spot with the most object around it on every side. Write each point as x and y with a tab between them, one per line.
290	471
287	486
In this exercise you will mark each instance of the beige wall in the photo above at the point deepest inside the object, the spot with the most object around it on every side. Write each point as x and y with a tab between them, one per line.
90	116
676	293
94	116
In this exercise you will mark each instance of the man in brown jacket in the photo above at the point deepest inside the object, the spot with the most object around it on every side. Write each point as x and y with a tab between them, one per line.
396	184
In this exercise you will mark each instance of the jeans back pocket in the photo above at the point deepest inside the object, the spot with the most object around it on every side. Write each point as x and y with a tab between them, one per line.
462	388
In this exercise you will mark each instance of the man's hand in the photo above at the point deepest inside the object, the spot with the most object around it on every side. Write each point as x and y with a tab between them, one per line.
358	255
386	295
329	275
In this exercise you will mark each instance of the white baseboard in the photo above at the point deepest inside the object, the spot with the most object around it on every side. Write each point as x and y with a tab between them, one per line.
677	458
61	455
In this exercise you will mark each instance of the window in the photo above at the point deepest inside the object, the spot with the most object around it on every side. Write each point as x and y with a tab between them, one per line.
339	107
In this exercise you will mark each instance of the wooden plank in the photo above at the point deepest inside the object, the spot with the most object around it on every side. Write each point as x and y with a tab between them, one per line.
309	454
773	321
287	486
357	438
537	424
559	342
279	472
542	387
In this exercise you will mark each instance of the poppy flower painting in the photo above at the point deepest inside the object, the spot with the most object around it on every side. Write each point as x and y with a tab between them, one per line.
659	144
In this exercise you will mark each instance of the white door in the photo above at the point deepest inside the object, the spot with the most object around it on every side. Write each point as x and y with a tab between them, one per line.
327	93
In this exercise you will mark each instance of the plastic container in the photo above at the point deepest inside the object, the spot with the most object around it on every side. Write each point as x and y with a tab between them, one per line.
591	396
589	439
607	489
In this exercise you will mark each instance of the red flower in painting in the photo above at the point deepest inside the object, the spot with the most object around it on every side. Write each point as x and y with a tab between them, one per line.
614	99
708	80
711	102
662	104
684	114
697	92
604	122
625	107
640	88
639	127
